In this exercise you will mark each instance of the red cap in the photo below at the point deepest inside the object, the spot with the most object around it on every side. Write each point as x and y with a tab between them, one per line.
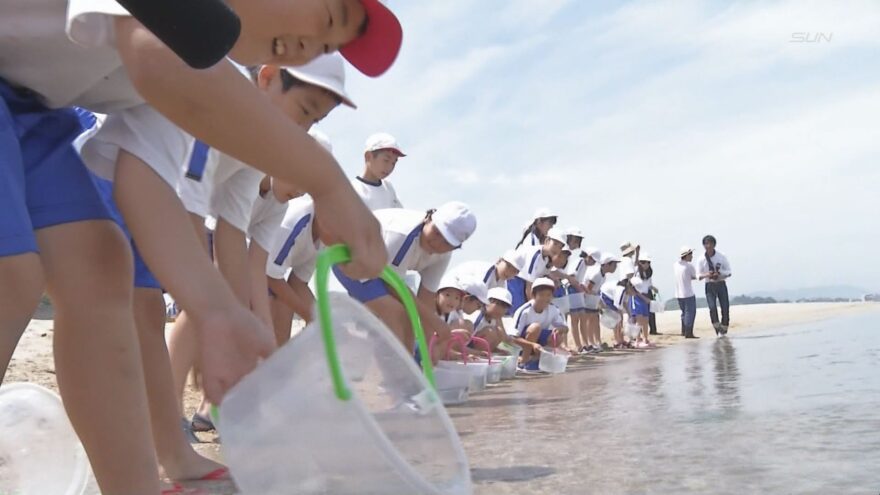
374	51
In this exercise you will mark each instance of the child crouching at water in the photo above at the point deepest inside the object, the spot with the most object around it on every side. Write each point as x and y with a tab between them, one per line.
538	323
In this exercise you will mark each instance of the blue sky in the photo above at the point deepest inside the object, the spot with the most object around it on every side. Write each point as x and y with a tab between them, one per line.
656	122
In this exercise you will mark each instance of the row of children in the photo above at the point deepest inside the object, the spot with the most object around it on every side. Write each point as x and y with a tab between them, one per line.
57	233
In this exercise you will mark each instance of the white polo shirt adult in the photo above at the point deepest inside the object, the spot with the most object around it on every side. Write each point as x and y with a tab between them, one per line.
294	246
526	315
684	275
401	230
376	195
719	261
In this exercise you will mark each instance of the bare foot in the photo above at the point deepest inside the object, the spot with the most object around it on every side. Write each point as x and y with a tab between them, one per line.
194	467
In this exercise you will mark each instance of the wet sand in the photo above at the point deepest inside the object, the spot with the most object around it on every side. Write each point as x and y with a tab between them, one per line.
501	466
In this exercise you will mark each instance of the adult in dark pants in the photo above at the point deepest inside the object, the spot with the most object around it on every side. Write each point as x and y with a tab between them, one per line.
685	274
715	270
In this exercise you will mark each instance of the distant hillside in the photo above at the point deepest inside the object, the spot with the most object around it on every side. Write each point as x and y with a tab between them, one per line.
825	292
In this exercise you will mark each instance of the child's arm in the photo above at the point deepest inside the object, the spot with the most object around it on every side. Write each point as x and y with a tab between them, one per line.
259	289
231	338
426	304
223	109
295	294
230	254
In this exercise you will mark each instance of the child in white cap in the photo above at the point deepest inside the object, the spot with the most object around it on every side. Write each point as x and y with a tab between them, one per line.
591	284
422	242
307	94
381	153
488	323
535	232
538	323
537	262
492	274
640	301
575	271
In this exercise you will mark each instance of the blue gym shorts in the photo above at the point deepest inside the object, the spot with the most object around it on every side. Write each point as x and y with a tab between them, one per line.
143	277
365	291
43	181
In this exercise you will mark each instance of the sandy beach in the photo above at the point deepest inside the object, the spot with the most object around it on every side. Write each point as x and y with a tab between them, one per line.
33	358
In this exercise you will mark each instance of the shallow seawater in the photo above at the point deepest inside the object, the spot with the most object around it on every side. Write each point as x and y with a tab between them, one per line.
787	410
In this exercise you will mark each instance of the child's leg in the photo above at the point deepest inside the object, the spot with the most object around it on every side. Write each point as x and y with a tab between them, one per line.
643	322
532	333
21	284
574	322
88	272
176	455
282	320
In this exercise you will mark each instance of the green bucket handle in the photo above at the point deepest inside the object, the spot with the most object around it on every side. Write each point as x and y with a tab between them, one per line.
340	254
334	255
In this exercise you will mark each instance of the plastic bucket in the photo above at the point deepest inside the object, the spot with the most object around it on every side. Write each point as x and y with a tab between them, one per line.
657	307
609	319
39	452
632	330
493	373
452	385
292	427
508	368
553	361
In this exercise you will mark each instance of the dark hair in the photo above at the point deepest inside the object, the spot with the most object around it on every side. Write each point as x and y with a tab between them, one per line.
533	228
710	238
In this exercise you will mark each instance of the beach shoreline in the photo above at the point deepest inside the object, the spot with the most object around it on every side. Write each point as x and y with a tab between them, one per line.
32	361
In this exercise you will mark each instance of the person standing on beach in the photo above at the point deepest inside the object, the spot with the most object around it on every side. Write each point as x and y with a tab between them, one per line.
715	270
685	274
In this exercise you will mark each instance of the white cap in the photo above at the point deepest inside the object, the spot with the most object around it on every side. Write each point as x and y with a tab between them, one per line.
556	235
383	141
645	257
501	294
515	258
326	71
593	252
450	281
566	249
322	139
574	231
543	213
684	251
543	282
455	221
608	258
476	288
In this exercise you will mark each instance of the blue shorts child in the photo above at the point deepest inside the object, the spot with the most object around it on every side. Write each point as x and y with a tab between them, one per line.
609	303
543	339
43	181
517	288
639	307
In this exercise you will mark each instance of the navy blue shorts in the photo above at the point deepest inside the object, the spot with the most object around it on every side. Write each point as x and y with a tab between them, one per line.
517	288
43	181
365	291
543	339
639	307
143	277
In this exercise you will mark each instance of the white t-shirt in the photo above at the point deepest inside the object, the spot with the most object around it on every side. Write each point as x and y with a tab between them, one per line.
453	318
266	217
535	263
642	285
293	246
197	180
719	261
401	230
685	273
235	189
478	270
377	196
577	266
551	318
65	51
626	267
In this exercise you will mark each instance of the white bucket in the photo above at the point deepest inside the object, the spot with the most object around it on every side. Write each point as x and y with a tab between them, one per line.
609	319
657	307
632	330
553	361
286	427
452	385
39	452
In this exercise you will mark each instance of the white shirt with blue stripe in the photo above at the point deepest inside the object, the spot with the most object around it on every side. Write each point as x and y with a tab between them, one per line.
294	246
266	217
551	318
535	263
480	320
478	270
401	230
376	195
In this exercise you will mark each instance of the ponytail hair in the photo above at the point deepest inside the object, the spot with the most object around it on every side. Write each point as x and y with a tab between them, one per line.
531	229
429	214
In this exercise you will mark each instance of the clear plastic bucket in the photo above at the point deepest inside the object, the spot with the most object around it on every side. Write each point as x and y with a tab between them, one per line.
609	319
553	360
292	427
493	372
657	307
39	452
452	385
